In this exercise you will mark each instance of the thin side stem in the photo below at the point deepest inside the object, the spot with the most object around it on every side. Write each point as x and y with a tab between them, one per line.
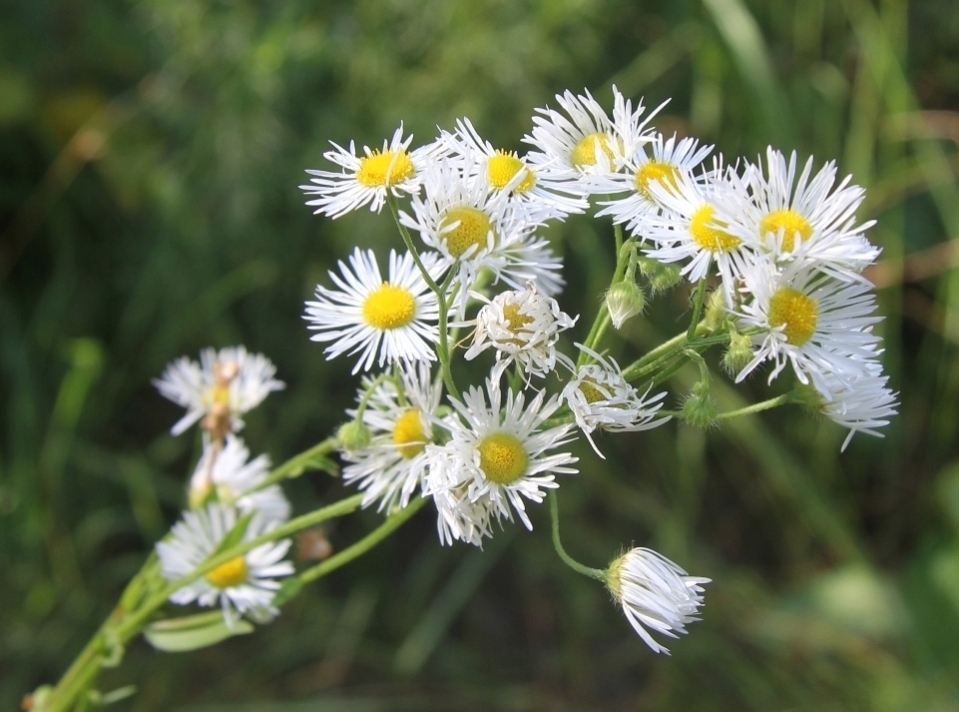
598	574
297	461
758	407
697	308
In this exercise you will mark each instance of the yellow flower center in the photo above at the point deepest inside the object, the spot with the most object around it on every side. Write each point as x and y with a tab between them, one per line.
503	458
790	222
408	434
666	174
220	393
232	573
709	237
472	229
591	392
584	152
383	169
502	167
516	319
389	307
796	313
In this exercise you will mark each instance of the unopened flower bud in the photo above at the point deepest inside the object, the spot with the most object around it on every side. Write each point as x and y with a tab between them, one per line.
624	300
716	310
700	407
661	277
353	436
739	352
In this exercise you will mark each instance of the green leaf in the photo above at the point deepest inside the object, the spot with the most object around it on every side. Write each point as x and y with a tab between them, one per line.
176	635
312	463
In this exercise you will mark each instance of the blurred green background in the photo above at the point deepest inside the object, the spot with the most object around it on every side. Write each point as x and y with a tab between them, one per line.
150	154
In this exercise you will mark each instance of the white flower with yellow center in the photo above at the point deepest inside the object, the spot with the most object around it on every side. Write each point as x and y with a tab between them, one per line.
224	385
523	327
474	228
370	178
820	325
655	594
663	162
861	405
807	220
382	320
496	458
542	193
399	418
244	584
694	227
224	473
588	142
599	397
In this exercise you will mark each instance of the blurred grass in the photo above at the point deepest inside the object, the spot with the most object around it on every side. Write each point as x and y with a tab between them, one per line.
149	158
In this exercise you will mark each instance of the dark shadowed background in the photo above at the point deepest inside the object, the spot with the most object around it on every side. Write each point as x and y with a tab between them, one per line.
150	154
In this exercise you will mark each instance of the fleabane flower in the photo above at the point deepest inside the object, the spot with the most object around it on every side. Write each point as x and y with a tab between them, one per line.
370	178
862	405
245	584
816	323
224	385
224	472
523	327
384	321
543	193
399	417
655	594
662	162
807	219
600	397
586	142
474	228
497	457
694	227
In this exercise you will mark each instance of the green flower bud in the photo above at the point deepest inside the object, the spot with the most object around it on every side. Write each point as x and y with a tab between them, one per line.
353	436
716	311
739	352
661	277
624	300
700	407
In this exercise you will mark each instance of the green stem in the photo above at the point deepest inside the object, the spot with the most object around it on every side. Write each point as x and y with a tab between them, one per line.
407	238
295	463
601	322
758	407
697	308
598	574
392	523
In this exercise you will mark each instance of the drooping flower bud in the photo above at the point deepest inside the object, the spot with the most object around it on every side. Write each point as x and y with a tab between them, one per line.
700	407
739	352
624	300
353	436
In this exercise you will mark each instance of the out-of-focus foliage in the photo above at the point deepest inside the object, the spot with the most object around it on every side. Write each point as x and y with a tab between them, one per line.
150	154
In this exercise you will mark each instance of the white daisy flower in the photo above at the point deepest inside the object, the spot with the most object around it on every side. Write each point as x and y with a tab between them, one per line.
599	397
802	219
544	193
395	318
820	325
245	584
655	593
223	471
695	228
399	418
588	143
496	458
474	228
223	386
861	405
662	162
523	327
370	178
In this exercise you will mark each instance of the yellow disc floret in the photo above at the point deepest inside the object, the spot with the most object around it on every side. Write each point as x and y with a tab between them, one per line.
591	392
666	174
473	226
389	307
232	573
502	167
796	313
584	152
790	222
706	235
503	458
408	434
384	169
516	319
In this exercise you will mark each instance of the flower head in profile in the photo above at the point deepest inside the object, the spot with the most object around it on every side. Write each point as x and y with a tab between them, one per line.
523	327
224	385
497	457
862	404
600	397
399	418
655	594
368	179
245	584
384	321
226	473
